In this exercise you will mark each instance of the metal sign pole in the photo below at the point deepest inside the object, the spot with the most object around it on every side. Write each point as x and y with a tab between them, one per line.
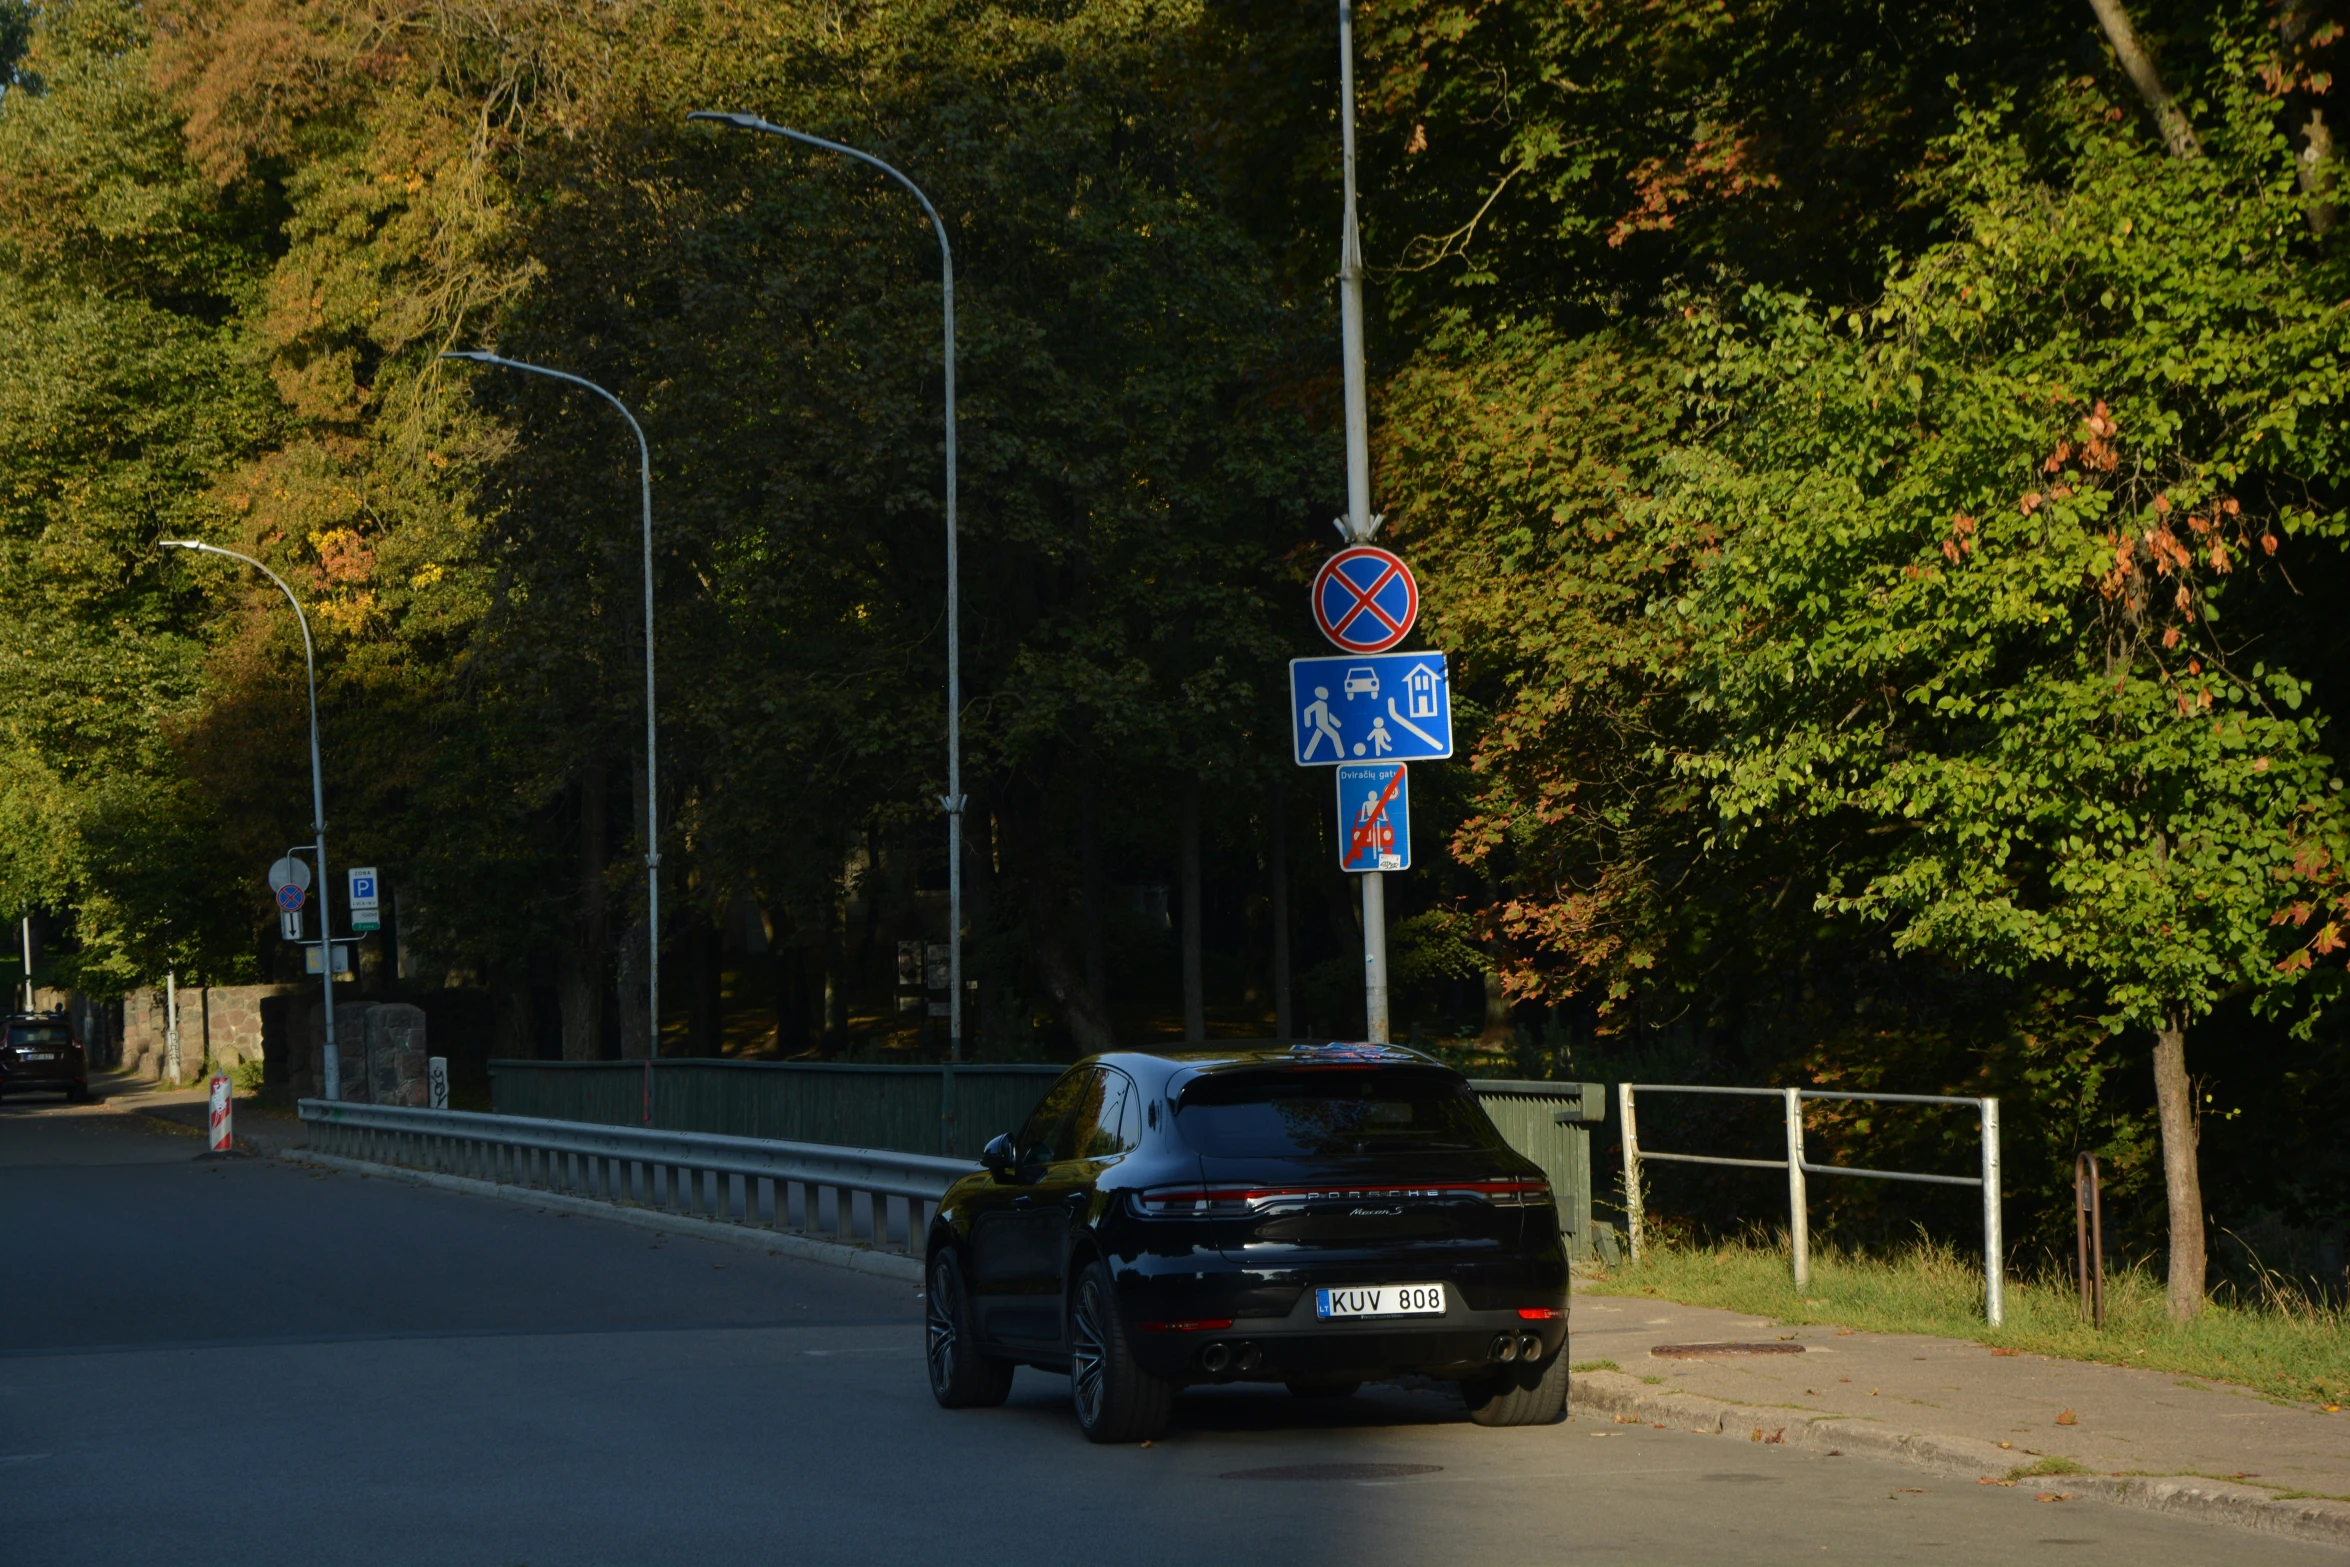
1994	1241
1632	1205
1798	1200
1360	524
171	1023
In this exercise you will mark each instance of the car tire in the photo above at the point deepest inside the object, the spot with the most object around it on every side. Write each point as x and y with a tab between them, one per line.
960	1376
78	1094
1116	1399
1521	1395
1323	1389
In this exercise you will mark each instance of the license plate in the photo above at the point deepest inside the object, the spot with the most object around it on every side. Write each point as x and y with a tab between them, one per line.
39	1055
1381	1300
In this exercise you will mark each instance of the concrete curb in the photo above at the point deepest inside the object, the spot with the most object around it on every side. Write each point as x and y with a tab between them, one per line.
857	1259
1618	1395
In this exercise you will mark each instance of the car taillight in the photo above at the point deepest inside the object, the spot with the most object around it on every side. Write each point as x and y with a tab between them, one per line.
1195	1325
1188	1202
1516	1194
1212	1202
1537	1313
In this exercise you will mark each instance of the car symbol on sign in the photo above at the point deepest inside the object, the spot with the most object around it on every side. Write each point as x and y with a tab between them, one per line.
1363	680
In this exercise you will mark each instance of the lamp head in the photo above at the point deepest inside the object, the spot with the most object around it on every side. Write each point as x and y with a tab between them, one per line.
180	544
479	356
747	122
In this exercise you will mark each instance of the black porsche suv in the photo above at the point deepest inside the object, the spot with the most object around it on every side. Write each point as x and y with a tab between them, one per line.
1318	1216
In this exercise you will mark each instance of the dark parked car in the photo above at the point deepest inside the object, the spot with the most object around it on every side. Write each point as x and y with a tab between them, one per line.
39	1051
1318	1216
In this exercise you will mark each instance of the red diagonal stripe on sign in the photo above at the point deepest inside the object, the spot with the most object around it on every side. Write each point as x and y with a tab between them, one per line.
1363	597
1361	839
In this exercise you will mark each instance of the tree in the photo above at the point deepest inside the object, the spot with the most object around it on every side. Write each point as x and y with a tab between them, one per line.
1976	549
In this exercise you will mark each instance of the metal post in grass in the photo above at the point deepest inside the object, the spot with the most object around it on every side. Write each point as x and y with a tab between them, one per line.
1798	1204
1994	1242
1631	1169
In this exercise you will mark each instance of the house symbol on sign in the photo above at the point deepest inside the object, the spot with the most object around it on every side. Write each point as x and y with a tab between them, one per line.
1420	691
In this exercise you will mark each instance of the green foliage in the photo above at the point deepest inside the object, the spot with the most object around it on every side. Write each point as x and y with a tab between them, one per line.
1974	552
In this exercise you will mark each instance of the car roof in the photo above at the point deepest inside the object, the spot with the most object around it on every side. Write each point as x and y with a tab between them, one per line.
1176	1064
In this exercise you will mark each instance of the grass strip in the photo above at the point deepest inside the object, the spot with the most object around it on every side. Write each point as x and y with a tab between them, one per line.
2286	1347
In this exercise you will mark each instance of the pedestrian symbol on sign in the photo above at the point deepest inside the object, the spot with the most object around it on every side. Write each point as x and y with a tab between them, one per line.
1321	726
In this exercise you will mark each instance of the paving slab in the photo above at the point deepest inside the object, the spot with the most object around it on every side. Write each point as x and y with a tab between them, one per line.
2149	1437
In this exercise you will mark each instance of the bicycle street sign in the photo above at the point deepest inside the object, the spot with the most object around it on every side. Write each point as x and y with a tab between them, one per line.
1374	817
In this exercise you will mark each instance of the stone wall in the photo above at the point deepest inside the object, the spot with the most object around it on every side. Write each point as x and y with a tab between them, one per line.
220	1028
380	1047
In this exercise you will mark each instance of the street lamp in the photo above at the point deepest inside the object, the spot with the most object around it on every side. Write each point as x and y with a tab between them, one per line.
644	455
952	800
332	1065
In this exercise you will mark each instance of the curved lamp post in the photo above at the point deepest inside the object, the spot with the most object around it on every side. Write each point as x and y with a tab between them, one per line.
952	800
644	455
332	1064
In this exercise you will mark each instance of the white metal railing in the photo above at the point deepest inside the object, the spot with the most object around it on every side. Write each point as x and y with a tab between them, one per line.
1797	1167
745	1180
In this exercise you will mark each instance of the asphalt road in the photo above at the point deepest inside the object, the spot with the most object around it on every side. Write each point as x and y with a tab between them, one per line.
246	1362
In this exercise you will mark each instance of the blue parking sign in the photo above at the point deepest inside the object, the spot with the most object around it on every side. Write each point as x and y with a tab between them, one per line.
1373	707
1374	817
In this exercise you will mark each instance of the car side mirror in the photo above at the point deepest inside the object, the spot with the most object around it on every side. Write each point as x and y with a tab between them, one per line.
997	1156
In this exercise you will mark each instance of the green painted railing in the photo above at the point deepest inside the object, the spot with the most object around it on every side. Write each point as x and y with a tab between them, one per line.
955	1110
907	1109
1550	1124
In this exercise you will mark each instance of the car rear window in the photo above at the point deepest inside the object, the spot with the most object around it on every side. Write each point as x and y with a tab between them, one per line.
1328	1112
39	1034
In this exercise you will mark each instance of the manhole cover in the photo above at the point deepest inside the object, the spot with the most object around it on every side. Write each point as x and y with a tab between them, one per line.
1709	1351
1333	1472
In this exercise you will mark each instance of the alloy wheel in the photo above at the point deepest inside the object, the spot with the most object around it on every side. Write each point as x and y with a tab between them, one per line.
945	1306
1088	1361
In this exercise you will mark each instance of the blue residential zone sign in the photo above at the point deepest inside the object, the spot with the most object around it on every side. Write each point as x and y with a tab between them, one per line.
1394	707
1374	817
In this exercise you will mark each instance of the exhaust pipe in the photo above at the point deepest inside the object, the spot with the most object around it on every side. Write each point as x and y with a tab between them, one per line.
1505	1347
1248	1359
1529	1346
1215	1358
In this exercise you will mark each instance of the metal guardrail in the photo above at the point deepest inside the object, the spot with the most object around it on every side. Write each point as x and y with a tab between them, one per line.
741	1180
1797	1167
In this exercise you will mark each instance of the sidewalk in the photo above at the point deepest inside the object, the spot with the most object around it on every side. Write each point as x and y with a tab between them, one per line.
266	1132
2142	1438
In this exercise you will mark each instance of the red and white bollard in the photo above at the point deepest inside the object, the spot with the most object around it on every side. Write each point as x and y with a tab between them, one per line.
222	1116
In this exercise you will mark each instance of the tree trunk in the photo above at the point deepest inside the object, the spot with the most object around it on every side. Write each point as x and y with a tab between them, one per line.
1042	904
2315	168
787	974
705	998
510	1027
579	973
1501	1026
2174	1098
1195	1012
629	988
1278	868
1090	901
2176	133
836	971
